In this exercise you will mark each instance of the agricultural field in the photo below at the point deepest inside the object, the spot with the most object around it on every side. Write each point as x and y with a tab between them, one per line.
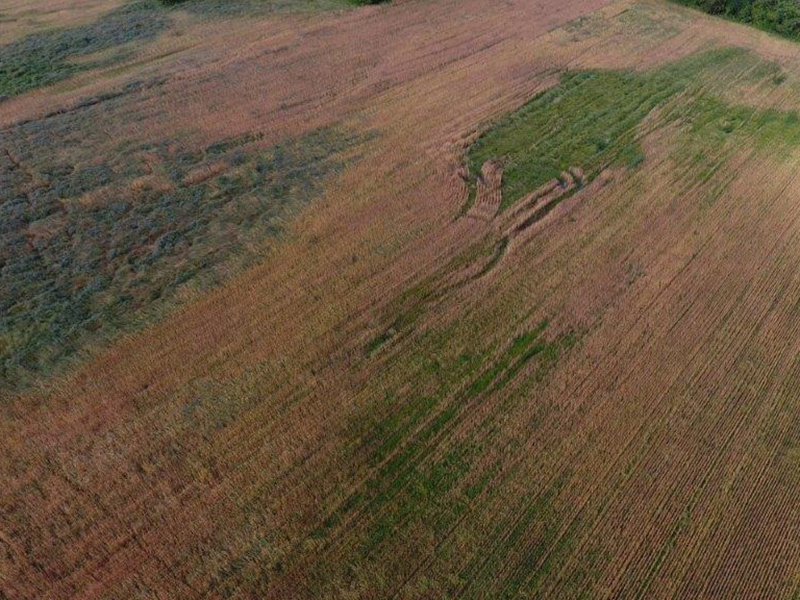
420	299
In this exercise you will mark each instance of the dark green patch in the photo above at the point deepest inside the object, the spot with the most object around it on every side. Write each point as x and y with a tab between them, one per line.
50	56
522	349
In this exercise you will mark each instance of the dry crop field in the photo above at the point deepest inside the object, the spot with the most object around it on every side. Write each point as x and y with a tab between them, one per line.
421	300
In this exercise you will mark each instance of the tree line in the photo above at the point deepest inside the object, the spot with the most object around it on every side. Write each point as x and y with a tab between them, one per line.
779	16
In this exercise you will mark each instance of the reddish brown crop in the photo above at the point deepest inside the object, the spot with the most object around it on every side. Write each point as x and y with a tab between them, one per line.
397	385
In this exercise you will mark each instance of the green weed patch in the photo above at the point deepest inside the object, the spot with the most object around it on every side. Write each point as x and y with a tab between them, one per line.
592	119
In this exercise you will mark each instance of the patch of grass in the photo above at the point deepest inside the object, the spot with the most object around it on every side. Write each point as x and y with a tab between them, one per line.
424	499
592	119
713	129
379	341
589	120
412	303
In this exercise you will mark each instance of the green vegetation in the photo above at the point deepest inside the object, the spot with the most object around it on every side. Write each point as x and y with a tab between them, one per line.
87	250
779	16
593	119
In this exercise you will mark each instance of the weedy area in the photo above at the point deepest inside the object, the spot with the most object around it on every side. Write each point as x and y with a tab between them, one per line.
426	449
44	58
404	489
94	246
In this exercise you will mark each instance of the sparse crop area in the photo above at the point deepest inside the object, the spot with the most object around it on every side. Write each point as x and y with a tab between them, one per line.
437	299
